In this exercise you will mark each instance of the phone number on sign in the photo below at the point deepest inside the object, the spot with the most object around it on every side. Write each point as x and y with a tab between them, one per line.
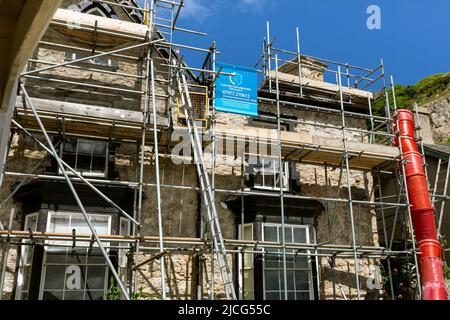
236	94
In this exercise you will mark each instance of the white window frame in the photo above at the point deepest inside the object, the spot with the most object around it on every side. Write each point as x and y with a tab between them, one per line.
44	272
80	246
124	245
99	62
26	259
292	226
241	261
261	171
79	243
103	174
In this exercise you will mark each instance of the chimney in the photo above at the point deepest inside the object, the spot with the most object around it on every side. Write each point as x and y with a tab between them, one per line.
425	125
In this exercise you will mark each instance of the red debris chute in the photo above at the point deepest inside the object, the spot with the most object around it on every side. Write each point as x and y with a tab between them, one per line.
422	211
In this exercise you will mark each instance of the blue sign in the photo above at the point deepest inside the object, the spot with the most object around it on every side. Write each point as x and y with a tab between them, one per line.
238	93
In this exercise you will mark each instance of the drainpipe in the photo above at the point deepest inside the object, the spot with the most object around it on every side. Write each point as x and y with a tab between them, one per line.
422	211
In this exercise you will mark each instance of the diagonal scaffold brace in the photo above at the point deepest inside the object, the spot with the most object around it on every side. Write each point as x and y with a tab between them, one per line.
75	194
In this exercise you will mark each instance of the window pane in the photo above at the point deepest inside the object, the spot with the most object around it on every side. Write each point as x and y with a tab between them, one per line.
31	222
98	164
97	259
94	295
74	295
272	280
269	181
273	295
270	233
54	277
99	148
124	227
301	280
100	224
302	295
78	257
53	295
289	261
70	159
95	278
59	223
249	284
56	257
291	295
258	180
300	235
273	261
79	224
287	234
85	147
70	145
290	279
301	262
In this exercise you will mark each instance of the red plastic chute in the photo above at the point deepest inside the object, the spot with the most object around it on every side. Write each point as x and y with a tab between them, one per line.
422	211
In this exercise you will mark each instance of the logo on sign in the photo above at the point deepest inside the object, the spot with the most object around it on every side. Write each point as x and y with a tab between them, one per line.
237	80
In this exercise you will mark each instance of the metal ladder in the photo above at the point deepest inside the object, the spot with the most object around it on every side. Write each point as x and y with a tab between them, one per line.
207	194
163	16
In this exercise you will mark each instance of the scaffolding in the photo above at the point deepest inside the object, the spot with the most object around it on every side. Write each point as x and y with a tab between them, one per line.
160	63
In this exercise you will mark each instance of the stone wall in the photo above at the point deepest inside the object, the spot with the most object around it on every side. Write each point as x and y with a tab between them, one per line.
440	117
181	207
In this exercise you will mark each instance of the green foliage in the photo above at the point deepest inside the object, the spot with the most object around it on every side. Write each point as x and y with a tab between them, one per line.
447	272
421	92
404	278
113	292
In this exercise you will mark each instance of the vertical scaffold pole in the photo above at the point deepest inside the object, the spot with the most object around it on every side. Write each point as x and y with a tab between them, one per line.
281	173
445	196
214	154
299	58
269	57
349	185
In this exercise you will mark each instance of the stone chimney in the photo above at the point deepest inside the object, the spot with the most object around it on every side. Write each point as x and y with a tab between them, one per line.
311	68
425	125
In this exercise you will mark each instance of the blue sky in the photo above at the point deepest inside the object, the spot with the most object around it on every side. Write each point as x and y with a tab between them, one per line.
414	39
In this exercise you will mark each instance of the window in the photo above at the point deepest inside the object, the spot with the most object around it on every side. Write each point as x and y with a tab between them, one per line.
268	120
74	275
262	275
65	222
299	269
248	272
125	230
77	273
96	62
266	173
26	259
87	157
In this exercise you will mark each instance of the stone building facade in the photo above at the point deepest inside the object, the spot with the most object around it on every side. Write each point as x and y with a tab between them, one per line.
45	204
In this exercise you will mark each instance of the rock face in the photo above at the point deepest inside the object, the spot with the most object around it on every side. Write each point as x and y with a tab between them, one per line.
440	117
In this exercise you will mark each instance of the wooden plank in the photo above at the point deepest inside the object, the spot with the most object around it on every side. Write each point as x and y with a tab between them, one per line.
75	20
333	88
89	111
